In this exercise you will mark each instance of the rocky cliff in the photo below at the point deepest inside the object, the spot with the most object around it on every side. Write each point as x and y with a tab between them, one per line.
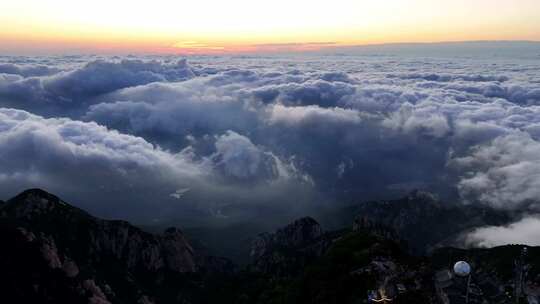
53	252
87	239
99	259
422	214
286	251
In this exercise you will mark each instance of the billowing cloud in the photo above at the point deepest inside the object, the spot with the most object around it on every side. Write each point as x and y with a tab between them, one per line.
320	92
169	112
63	154
421	120
71	89
89	160
236	156
313	115
504	173
241	129
526	231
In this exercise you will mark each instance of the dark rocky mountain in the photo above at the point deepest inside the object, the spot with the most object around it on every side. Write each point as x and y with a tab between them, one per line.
299	233
345	266
53	252
71	245
370	262
421	214
286	251
87	239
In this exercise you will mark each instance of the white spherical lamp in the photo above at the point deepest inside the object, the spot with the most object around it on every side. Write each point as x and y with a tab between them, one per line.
462	269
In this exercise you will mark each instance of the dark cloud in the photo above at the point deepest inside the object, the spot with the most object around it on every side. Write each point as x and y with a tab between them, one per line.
449	77
318	92
170	112
72	89
27	70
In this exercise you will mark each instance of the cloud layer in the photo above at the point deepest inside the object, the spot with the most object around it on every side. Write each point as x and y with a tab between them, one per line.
115	171
230	131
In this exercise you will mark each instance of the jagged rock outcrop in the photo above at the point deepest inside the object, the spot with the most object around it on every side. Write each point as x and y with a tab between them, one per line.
177	253
299	233
34	271
55	253
364	223
285	251
77	251
423	214
341	266
97	296
89	239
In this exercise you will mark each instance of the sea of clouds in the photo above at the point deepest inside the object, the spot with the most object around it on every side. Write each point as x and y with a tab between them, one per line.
154	137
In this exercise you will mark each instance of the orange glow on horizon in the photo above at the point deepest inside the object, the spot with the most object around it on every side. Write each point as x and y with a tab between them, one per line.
240	26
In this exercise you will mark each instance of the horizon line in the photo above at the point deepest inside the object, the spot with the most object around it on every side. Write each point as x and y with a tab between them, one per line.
267	48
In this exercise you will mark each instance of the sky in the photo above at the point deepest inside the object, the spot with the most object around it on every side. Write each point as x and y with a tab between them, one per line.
209	26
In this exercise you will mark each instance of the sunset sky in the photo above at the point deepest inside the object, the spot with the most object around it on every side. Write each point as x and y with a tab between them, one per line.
207	26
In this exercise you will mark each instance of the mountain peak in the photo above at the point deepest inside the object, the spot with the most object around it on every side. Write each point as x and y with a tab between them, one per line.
301	231
35	192
34	202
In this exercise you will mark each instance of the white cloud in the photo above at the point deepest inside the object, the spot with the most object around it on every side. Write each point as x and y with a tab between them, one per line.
311	114
179	193
504	173
67	151
526	232
418	120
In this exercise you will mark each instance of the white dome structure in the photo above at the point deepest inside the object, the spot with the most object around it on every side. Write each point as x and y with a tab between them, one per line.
462	269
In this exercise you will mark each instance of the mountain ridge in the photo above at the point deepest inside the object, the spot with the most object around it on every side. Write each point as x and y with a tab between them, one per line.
74	242
56	253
